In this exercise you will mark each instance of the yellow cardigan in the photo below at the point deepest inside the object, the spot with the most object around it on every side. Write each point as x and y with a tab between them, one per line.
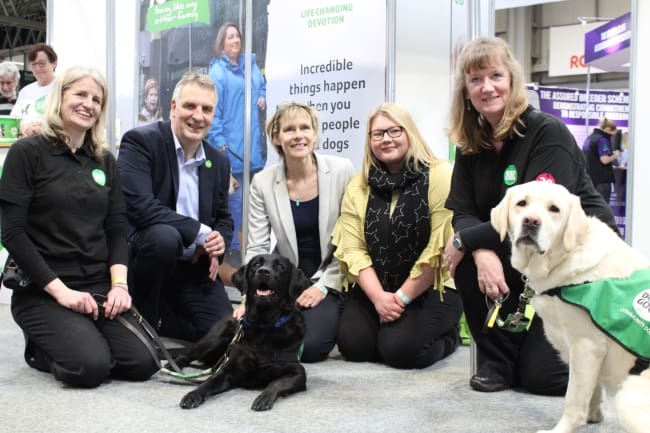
348	235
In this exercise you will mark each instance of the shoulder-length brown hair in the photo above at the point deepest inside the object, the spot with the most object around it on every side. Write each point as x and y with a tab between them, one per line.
54	127
468	130
418	155
221	38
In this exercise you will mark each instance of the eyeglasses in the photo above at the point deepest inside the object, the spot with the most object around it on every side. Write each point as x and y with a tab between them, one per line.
40	64
393	132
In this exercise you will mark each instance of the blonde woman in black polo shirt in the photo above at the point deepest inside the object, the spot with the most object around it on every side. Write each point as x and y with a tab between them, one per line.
63	221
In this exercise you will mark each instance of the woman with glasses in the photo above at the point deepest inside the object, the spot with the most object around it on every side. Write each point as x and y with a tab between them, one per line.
393	227
30	105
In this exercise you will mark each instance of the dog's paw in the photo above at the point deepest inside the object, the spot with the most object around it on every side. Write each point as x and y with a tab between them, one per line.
264	401
595	416
192	400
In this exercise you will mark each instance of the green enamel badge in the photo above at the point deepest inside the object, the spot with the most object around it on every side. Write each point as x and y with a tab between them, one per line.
99	177
208	164
510	175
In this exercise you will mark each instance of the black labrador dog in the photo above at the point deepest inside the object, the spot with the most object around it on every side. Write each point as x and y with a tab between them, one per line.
272	332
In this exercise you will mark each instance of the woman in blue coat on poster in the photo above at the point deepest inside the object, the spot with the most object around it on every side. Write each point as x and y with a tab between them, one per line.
227	131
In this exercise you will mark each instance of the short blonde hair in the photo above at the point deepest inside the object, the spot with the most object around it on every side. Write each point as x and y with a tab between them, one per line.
54	128
468	129
287	109
418	155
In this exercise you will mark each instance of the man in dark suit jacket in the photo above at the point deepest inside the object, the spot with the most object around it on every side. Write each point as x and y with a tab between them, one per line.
176	190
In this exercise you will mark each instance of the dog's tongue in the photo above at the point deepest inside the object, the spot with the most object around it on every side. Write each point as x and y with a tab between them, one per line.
266	292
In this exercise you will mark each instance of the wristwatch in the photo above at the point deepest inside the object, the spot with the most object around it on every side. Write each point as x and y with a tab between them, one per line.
457	242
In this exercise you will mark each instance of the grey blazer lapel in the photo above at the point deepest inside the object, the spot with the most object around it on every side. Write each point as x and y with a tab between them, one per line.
325	178
283	206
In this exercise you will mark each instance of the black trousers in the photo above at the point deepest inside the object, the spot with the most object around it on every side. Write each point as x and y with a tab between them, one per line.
76	349
175	296
321	327
525	359
426	332
605	189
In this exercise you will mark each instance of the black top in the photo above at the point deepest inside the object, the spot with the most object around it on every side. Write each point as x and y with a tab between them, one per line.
305	219
62	212
598	143
547	151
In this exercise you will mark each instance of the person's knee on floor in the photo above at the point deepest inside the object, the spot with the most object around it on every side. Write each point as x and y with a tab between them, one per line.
89	370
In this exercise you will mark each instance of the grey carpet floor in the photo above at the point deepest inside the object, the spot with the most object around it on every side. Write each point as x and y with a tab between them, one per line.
341	397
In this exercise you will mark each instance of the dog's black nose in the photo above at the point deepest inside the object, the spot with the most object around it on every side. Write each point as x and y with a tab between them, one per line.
264	271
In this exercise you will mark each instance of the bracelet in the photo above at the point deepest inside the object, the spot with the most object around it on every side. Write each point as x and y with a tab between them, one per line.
403	297
118	280
243	300
321	287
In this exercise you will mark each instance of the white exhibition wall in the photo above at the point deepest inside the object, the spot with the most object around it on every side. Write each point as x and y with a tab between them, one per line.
639	206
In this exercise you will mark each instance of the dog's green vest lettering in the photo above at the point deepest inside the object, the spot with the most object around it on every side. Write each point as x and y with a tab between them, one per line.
618	306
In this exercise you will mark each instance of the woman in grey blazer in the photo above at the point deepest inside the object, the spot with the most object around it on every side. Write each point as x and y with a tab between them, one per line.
294	206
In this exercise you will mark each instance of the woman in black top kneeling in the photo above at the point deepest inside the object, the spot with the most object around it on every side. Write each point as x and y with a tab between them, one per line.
64	223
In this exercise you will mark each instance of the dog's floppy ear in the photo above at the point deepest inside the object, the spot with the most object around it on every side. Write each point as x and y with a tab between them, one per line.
239	279
499	215
298	282
576	225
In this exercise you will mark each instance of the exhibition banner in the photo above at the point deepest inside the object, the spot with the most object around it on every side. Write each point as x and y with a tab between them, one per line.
570	106
608	38
167	15
332	56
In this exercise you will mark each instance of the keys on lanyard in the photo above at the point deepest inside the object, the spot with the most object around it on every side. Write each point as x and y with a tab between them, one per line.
493	312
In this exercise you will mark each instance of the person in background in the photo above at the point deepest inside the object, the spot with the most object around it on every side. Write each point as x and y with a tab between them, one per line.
176	192
390	236
63	222
227	131
620	170
503	141
601	157
9	79
30	104
298	200
151	110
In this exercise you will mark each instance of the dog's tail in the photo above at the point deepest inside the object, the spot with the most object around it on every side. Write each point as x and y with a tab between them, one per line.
633	403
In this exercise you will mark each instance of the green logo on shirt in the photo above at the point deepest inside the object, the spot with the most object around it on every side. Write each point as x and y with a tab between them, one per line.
39	105
99	177
510	175
208	164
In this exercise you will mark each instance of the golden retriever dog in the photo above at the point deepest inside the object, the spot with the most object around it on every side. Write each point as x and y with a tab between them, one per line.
555	244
